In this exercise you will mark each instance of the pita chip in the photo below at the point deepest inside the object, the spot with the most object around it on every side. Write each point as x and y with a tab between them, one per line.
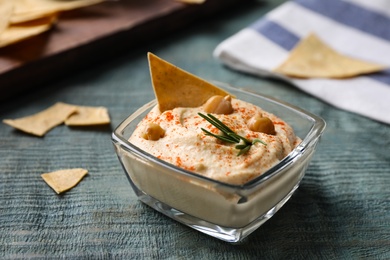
87	116
40	123
27	10
175	87
64	180
312	58
18	32
6	8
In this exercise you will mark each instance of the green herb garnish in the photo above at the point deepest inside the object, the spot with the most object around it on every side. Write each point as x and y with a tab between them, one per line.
229	135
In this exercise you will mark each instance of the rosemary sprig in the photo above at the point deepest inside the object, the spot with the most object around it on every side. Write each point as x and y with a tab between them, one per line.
229	135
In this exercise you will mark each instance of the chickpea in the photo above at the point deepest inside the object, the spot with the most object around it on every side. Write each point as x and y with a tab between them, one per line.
219	105
153	132
261	124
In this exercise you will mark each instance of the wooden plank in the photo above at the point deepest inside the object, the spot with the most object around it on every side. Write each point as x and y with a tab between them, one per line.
92	34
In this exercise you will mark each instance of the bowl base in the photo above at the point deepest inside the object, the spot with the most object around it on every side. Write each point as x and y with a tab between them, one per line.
228	234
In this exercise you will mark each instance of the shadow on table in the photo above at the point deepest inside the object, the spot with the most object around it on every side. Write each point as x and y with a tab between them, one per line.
96	128
304	227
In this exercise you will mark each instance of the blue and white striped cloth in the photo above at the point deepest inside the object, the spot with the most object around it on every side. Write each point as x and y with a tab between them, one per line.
358	28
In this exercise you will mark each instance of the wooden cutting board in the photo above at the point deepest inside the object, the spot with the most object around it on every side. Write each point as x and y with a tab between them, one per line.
84	36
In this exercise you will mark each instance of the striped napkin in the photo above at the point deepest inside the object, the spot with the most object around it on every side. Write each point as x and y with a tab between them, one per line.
356	28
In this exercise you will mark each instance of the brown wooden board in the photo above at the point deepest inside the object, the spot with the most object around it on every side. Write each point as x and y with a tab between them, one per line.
83	36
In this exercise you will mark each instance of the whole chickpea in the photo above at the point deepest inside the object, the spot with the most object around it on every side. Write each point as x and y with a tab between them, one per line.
219	105
153	132
258	123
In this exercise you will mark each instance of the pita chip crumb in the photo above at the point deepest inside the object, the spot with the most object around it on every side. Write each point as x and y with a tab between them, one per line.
40	123
87	116
64	180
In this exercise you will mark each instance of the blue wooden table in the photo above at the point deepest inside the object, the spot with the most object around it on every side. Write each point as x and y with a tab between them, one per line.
340	211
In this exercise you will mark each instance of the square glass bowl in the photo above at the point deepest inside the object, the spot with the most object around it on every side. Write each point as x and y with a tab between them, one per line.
225	211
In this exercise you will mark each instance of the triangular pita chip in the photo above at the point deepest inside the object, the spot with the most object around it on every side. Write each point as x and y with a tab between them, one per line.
64	180
27	10
6	8
86	116
312	58
175	87
41	122
18	32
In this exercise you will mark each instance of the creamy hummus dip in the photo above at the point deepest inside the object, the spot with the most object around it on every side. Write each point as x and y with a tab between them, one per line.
183	142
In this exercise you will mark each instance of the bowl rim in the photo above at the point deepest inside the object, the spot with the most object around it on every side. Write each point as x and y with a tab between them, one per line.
315	132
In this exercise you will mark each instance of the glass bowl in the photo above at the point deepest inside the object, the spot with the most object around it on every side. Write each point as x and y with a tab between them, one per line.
225	211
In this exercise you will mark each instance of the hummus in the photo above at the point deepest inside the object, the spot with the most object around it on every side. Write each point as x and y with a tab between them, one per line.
184	143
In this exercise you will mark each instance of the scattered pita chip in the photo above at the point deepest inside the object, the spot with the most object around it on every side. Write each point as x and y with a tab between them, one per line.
312	58
40	123
86	116
26	10
175	87
18	32
64	180
6	8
